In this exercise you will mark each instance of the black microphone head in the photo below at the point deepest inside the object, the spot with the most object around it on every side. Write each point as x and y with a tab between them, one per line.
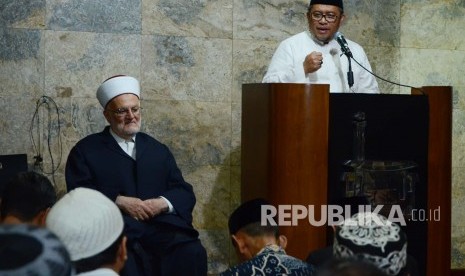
340	39
343	43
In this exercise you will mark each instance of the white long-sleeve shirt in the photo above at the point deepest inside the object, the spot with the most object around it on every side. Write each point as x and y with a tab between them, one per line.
286	66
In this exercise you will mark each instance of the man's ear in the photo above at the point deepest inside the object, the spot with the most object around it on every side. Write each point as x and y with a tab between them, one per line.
343	17
239	243
41	217
282	241
243	249
121	256
122	250
106	114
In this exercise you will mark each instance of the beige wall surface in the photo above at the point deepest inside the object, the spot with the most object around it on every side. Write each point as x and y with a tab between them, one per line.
192	58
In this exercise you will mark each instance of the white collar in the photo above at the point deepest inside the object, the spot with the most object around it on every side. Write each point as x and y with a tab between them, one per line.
121	140
99	272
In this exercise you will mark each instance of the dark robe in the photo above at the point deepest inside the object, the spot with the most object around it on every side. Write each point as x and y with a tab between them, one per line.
98	162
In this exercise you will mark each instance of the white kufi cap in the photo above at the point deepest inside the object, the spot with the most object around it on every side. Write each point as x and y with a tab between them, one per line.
116	86
86	221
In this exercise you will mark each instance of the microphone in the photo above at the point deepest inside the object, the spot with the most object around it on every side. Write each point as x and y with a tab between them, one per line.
350	76
345	49
343	43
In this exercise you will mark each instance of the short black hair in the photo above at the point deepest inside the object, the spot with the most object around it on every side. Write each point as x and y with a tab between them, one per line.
26	195
256	229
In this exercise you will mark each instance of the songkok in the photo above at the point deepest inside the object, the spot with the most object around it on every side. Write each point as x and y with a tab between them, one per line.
30	250
247	213
86	221
371	237
337	3
116	86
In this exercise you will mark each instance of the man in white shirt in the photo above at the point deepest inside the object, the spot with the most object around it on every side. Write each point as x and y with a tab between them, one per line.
314	56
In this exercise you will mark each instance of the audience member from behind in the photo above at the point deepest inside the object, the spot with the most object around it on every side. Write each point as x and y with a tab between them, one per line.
31	250
91	227
27	198
320	256
260	247
373	238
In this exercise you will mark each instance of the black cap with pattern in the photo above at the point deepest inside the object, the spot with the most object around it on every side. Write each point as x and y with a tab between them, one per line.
372	237
31	250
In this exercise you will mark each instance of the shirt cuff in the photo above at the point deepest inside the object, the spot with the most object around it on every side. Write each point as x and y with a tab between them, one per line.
170	206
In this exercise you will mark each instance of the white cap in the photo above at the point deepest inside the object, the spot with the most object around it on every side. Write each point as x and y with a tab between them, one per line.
116	86
86	221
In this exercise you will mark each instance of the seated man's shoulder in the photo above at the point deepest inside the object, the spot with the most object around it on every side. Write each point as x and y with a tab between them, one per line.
148	139
90	140
296	266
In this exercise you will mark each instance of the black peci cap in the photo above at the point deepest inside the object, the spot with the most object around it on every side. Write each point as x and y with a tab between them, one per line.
337	3
247	213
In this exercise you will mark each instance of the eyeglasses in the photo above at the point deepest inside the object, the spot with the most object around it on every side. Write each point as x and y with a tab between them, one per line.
123	112
330	17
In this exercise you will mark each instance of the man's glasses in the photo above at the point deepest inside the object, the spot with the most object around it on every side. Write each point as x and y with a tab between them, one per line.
330	17
123	112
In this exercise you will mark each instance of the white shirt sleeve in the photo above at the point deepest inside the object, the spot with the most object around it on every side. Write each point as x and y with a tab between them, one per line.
170	206
281	68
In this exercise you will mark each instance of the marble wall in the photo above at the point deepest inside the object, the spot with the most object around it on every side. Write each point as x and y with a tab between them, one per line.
191	58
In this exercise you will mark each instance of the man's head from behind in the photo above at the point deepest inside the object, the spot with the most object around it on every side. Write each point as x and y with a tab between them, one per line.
248	235
27	198
30	250
371	237
91	226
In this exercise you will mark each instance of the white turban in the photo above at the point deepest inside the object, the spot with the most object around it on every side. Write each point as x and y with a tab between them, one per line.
116	86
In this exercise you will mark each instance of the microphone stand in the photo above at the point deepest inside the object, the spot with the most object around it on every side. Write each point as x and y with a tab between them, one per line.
350	74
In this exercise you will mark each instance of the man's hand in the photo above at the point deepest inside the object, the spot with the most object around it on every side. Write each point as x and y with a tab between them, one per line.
134	207
141	209
313	62
156	206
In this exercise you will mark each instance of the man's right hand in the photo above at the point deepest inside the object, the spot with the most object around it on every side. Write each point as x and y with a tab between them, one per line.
134	207
313	62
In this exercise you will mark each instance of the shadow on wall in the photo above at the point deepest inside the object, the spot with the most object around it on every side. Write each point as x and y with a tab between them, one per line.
218	205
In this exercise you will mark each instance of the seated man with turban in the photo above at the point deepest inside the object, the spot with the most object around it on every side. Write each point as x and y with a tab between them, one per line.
139	174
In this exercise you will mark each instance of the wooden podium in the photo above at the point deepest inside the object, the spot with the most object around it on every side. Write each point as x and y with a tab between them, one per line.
285	152
285	147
